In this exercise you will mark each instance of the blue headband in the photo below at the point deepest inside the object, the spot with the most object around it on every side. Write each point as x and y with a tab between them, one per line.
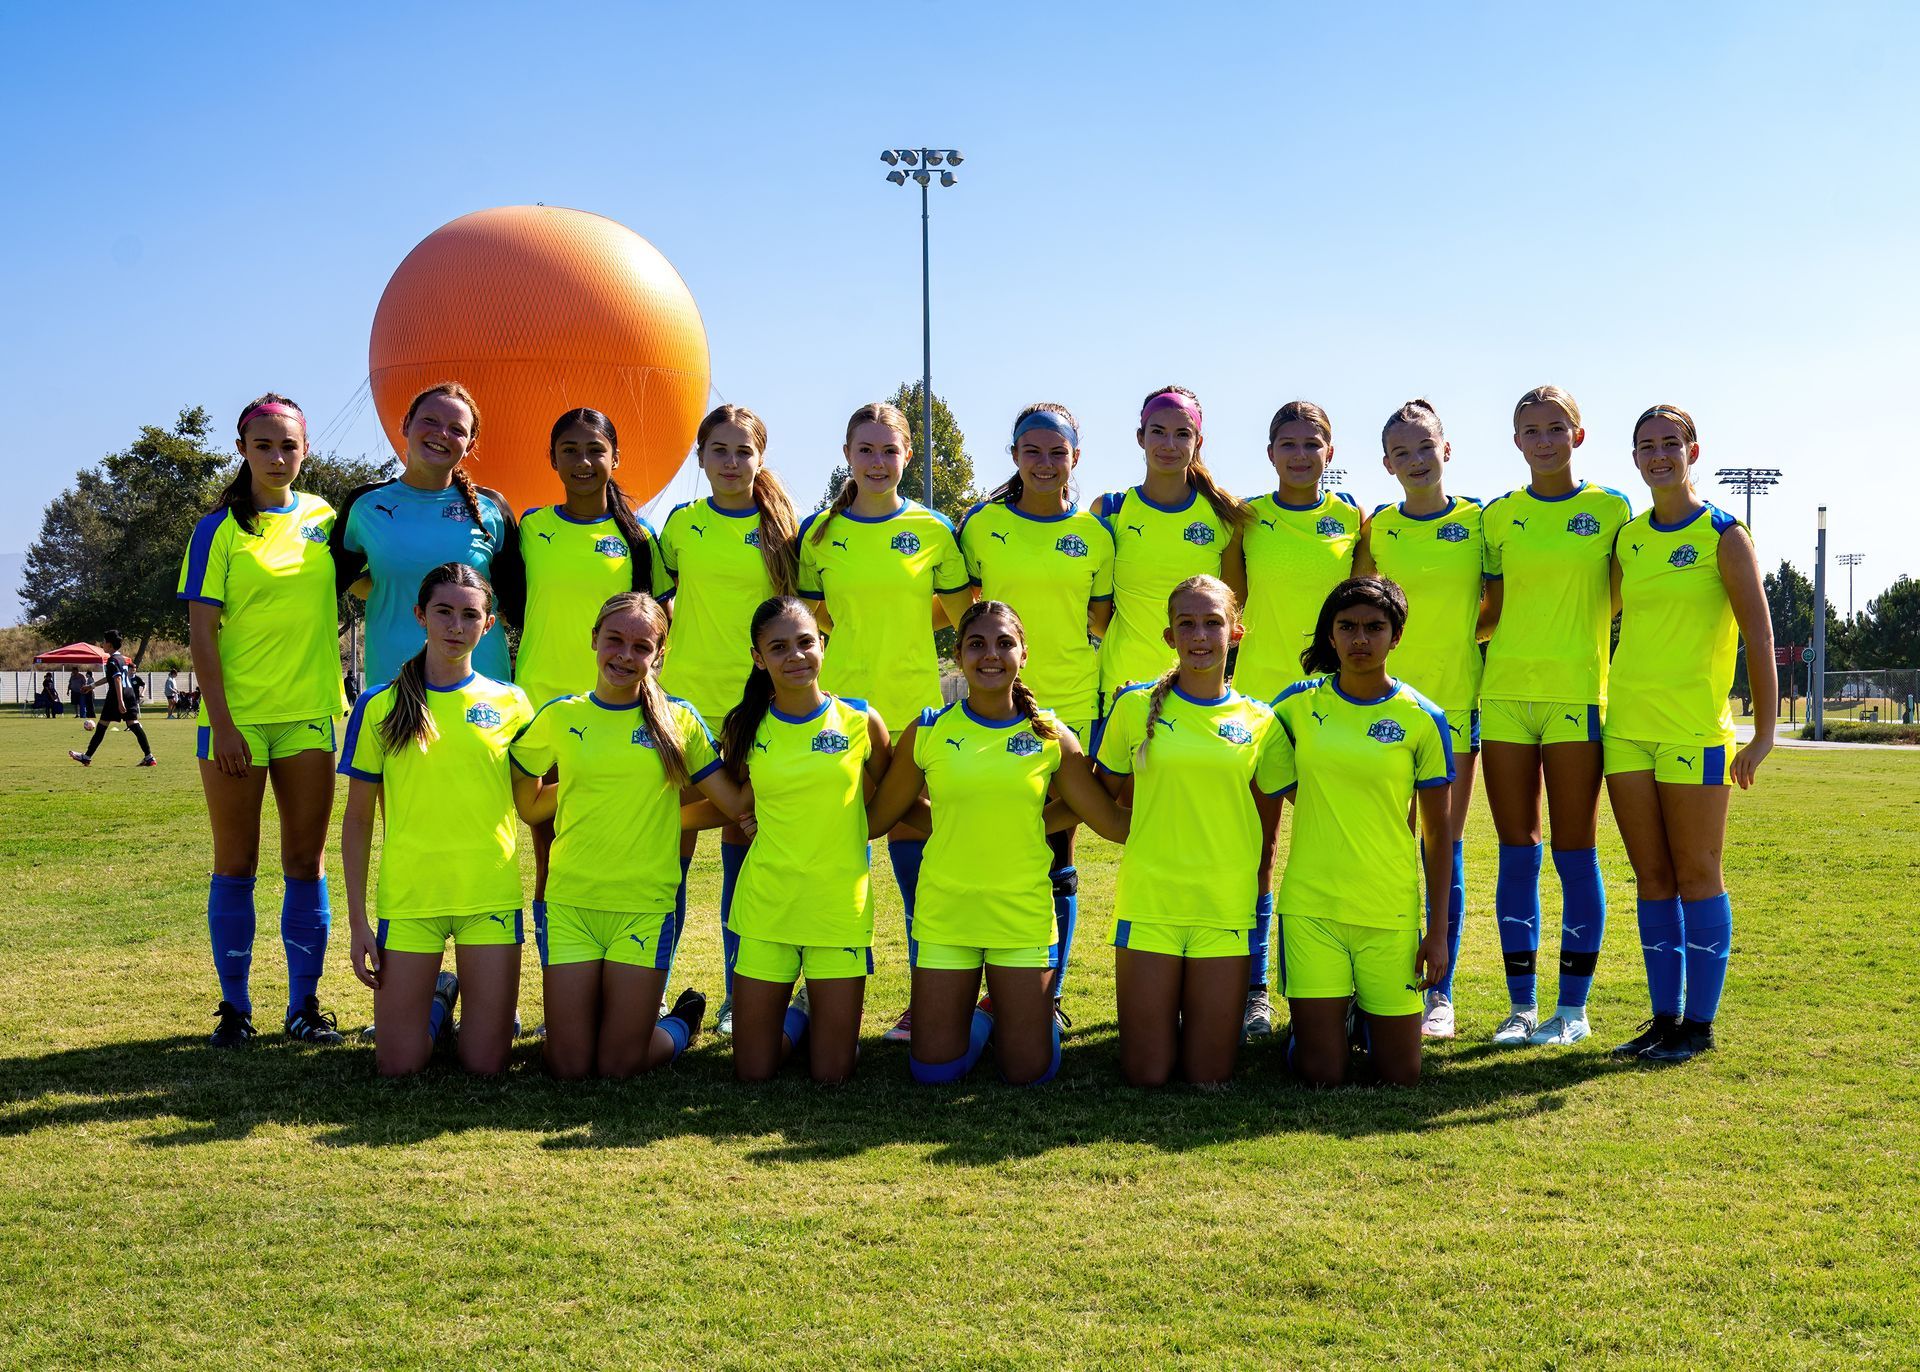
1047	419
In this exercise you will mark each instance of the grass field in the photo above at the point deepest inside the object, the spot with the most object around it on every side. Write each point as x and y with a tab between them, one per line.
163	1205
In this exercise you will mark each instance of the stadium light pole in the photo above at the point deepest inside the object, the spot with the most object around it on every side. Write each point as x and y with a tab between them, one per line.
1817	687
922	161
1749	481
1850	561
1331	477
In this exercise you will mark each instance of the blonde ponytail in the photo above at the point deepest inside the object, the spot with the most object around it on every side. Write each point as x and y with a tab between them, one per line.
1156	701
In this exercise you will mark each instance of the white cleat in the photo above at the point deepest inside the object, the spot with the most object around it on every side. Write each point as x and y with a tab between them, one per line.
1516	1029
1561	1030
724	1024
1438	1021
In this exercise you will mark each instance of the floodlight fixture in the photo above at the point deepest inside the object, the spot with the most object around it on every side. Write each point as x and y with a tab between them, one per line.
910	157
1750	481
890	157
899	178
922	159
922	177
933	157
954	159
946	178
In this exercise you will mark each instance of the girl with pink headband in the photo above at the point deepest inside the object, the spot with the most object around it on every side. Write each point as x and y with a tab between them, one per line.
264	634
1177	523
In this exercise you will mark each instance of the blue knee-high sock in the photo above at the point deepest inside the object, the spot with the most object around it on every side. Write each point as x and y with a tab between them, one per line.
1066	918
794	1026
732	856
679	913
1663	946
230	926
437	1018
1709	944
1262	938
1583	922
1516	904
905	854
1456	916
675	1029
1053	1067
305	918
933	1073
540	929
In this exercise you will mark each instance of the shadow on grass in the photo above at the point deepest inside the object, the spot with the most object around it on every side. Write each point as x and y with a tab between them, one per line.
196	1095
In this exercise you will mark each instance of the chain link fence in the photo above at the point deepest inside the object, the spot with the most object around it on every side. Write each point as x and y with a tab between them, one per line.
1888	696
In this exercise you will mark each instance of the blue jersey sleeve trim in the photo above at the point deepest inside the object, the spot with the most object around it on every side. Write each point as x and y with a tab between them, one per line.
1722	521
812	595
200	549
1432	782
1619	495
806	525
1295	690
705	772
1096	599
954	590
200	599
854	703
346	771
1284	791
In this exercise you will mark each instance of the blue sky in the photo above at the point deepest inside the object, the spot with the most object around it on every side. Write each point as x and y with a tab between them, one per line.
1706	204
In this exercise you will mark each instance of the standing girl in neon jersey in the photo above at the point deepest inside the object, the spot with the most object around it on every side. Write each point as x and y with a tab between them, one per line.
1543	697
988	764
1690	589
1363	747
1430	545
804	904
875	561
726	554
576	554
623	753
1029	545
1177	523
264	635
1299	546
1199	765
392	533
427	751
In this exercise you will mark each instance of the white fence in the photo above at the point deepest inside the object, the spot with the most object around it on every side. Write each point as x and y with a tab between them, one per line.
20	689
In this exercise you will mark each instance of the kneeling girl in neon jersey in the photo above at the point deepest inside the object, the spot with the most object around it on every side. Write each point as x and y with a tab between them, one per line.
1199	765
623	752
804	902
428	752
1362	748
989	764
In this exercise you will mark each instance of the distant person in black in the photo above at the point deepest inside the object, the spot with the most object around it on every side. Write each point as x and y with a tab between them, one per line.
80	692
50	696
121	706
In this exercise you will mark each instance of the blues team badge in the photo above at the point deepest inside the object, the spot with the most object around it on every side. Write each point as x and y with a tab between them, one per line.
484	715
1683	556
1583	524
1329	527
313	533
1236	733
829	741
610	547
752	539
1386	731
1451	532
1072	545
908	543
1023	745
1198	533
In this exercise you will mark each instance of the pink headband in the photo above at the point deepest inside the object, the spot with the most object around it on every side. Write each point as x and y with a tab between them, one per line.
273	407
1170	400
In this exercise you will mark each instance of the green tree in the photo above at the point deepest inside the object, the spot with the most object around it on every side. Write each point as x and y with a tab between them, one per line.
1891	632
953	489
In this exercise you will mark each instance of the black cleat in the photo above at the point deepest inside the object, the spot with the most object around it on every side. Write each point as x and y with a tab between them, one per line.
1651	1032
1686	1040
311	1024
690	1009
233	1029
446	991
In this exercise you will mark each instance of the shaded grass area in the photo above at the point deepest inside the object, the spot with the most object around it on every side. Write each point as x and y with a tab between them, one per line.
168	1205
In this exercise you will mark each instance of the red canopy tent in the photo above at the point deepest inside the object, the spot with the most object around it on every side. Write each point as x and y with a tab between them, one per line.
73	655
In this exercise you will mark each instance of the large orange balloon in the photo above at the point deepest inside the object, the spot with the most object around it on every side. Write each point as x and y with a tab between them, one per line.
536	311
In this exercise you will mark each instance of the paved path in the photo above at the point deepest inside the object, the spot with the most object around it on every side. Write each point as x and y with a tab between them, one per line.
1789	737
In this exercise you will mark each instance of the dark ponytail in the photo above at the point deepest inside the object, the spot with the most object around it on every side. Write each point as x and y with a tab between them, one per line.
1382	594
237	498
743	720
410	721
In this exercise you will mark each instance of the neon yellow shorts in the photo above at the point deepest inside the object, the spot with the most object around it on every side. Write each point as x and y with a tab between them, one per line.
1685	764
955	957
765	960
1539	722
1182	940
572	933
429	933
1328	959
269	741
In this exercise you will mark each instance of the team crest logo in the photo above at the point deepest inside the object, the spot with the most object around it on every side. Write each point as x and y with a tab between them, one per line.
1683	556
1072	545
907	544
484	715
313	533
643	737
458	510
1023	745
753	538
1329	527
1451	532
1236	733
610	547
829	741
1386	731
1198	533
1583	524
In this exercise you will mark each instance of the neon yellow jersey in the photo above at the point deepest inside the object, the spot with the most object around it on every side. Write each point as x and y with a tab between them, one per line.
1439	560
720	578
279	625
1674	666
878	578
1295	556
983	881
1356	765
805	878
449	831
1049	569
1155	548
616	835
1193	851
1556	614
573	566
